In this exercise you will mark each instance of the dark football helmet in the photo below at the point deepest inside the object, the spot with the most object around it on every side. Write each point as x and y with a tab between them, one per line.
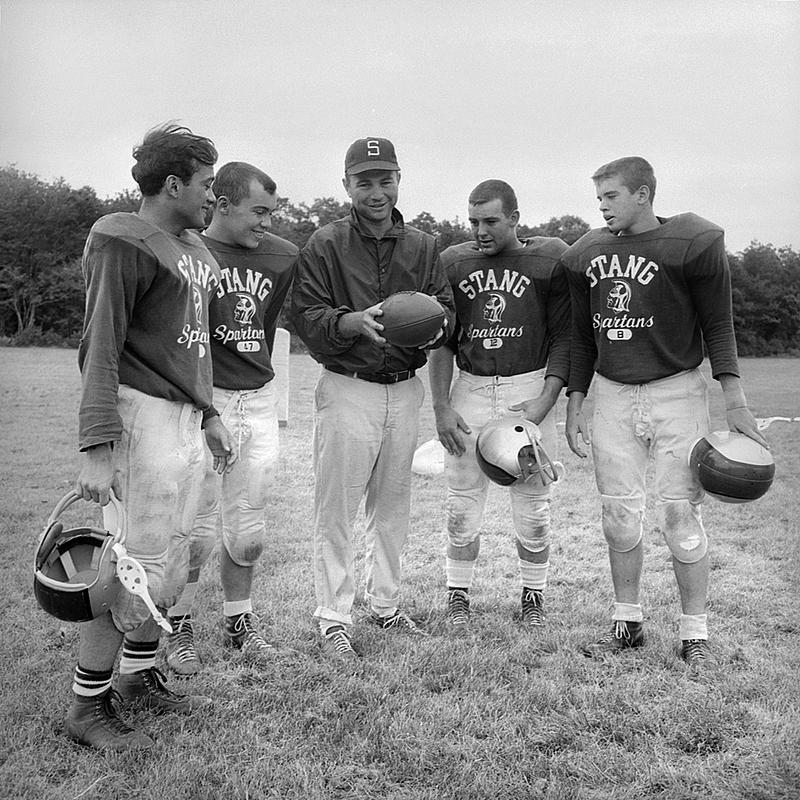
510	450
732	467
75	570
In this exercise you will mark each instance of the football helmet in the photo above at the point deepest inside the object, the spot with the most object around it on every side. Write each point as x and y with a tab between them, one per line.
75	570
510	450
731	467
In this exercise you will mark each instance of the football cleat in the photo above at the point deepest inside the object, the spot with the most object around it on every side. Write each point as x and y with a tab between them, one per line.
241	632
182	656
398	622
532	607
149	688
94	722
622	636
458	609
696	653
337	642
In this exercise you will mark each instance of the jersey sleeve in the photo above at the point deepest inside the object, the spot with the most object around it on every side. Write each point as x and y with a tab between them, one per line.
583	348
559	319
116	271
709	280
273	310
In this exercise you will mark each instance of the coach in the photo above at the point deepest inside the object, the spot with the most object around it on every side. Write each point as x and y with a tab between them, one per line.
367	398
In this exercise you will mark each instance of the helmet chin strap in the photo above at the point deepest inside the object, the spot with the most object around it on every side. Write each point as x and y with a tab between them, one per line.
130	572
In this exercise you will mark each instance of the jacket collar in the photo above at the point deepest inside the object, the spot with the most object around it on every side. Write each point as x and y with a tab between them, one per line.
397	230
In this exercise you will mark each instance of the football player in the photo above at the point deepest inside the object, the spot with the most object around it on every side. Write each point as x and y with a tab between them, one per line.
146	373
648	292
511	346
257	268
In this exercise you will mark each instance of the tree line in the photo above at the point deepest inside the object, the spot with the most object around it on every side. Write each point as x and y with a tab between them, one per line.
43	227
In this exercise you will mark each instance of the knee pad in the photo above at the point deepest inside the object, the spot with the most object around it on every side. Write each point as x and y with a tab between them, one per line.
532	524
622	521
246	546
201	544
683	530
205	528
464	516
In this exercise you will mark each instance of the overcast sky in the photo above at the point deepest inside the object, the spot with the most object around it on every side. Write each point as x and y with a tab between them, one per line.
536	93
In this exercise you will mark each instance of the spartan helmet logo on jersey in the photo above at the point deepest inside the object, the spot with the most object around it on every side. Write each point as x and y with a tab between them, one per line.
494	308
619	298
245	309
198	304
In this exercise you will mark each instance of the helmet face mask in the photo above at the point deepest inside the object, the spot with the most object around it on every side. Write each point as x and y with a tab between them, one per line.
509	450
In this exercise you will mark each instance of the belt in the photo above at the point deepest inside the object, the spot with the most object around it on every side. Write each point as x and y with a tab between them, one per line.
374	377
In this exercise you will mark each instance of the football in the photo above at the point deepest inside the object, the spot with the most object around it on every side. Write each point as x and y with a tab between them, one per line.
731	467
410	319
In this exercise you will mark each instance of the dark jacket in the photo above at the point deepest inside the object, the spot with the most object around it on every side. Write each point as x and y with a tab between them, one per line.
344	268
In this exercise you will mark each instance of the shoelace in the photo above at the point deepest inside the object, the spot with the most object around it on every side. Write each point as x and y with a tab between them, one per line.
695	651
246	626
106	710
156	683
397	620
183	638
532	603
458	605
340	642
620	631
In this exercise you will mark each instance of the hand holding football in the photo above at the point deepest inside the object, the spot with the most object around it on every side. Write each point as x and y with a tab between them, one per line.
410	319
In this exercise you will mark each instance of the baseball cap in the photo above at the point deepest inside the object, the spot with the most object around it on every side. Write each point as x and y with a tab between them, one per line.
370	153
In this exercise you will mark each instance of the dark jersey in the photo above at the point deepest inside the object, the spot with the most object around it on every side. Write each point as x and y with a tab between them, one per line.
644	304
512	309
146	322
344	268
244	310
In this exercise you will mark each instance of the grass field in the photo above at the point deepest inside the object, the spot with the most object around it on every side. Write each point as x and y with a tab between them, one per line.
505	714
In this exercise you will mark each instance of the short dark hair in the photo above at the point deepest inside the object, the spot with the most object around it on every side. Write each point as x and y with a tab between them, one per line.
170	149
233	181
487	191
633	171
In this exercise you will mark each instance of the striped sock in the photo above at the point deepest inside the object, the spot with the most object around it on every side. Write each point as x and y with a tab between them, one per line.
91	682
137	656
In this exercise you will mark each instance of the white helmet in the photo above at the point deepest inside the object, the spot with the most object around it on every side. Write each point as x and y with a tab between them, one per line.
510	450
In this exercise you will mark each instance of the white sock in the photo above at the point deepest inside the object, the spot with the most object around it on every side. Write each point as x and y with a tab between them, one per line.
459	573
694	626
533	576
628	612
235	608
